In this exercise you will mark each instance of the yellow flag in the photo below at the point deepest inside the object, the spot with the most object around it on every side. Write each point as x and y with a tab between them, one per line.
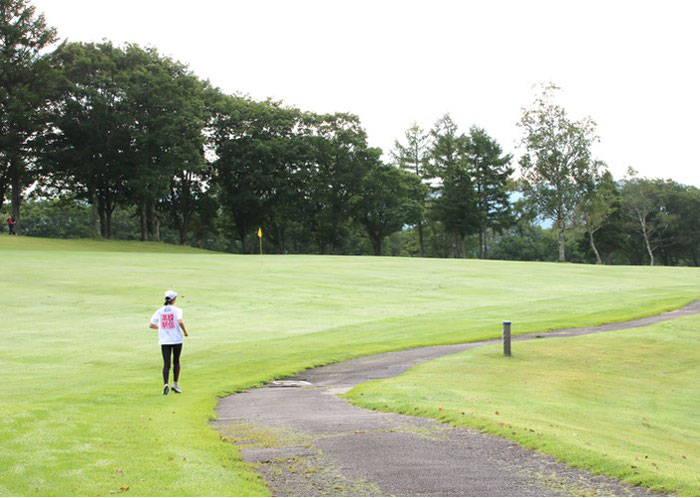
259	233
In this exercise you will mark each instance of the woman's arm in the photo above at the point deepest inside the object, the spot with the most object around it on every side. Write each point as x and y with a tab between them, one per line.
152	326
182	326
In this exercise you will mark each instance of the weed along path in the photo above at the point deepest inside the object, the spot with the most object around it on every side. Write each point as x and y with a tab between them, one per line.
306	441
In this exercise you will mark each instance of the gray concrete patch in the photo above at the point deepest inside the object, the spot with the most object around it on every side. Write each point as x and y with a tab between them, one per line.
305	441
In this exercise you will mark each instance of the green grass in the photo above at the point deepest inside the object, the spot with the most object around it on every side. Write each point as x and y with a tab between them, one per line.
79	397
622	403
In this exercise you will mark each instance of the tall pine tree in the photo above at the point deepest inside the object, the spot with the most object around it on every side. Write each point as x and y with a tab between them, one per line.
413	158
24	92
491	172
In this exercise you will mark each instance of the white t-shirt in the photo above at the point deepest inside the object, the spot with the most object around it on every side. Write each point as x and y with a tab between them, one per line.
169	330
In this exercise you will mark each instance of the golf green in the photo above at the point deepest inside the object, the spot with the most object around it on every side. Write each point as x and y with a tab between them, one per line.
81	404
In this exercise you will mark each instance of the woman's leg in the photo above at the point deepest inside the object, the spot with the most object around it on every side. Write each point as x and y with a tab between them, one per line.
166	349
177	349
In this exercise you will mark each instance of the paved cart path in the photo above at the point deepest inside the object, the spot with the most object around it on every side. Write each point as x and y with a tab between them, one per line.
306	441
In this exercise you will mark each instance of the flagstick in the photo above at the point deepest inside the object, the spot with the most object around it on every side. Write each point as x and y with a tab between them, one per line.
260	241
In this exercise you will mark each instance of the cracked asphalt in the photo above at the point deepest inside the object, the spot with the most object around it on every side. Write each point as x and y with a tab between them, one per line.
306	441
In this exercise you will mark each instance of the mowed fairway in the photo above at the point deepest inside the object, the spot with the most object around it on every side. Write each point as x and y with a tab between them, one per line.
80	403
621	403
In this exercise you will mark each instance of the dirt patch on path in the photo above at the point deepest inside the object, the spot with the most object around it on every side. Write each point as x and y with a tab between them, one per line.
306	441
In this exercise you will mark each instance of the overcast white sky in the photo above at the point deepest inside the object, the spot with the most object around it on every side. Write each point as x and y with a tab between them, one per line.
631	66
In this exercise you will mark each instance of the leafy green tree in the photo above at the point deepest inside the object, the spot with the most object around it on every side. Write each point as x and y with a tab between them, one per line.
62	218
289	210
688	236
256	147
166	116
340	159
189	182
557	152
680	237
454	198
85	151
525	242
413	157
598	201
446	149
68	217
388	199
612	238
187	190
25	82
456	207
642	203
491	172
126	127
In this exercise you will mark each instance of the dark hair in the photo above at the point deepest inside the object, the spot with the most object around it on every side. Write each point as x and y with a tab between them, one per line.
167	301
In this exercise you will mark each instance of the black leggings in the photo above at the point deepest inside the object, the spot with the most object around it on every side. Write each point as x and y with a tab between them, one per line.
176	350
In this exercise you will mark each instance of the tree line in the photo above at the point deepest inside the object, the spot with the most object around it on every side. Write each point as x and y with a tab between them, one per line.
121	141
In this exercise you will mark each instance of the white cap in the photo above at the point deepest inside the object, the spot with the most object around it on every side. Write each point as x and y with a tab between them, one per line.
170	294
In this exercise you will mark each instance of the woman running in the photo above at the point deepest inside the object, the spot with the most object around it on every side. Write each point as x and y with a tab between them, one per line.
168	321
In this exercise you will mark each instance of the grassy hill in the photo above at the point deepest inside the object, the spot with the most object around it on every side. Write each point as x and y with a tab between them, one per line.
81	404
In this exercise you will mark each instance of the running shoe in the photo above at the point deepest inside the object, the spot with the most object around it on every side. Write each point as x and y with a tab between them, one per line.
176	390
166	389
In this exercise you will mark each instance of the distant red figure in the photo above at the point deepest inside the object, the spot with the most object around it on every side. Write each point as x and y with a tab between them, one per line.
11	222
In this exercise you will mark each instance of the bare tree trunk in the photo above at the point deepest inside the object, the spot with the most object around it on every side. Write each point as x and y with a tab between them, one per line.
463	248
94	214
486	244
107	226
562	241
185	206
143	218
3	187
420	239
377	243
108	221
153	221
481	244
183	233
103	218
243	231
16	185
598	261
648	246
645	235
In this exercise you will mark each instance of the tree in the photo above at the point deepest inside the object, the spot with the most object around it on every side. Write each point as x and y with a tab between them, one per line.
389	198
557	151
525	242
491	171
186	191
166	115
612	237
680	237
454	198
446	148
598	201
340	159
85	150
642	205
257	157
686	206
24	89
456	207
413	157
